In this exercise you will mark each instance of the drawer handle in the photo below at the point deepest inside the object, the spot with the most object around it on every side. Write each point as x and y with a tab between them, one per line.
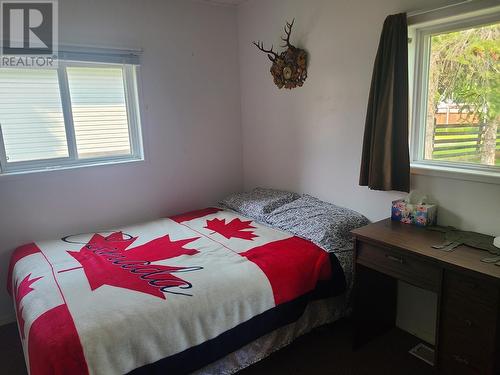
394	258
460	359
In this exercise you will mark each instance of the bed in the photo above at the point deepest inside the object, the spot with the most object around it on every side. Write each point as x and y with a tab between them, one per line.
209	291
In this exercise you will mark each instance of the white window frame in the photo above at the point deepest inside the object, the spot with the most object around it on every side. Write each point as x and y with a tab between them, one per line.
130	83
419	49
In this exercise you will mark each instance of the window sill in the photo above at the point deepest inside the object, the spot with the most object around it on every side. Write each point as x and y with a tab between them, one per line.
101	163
456	173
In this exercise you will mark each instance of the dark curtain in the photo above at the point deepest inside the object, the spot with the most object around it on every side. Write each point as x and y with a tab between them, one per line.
385	163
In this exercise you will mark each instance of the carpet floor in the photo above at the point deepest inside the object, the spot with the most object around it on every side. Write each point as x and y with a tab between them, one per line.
326	350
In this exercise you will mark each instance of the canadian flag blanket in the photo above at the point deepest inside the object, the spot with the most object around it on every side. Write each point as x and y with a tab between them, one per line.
168	296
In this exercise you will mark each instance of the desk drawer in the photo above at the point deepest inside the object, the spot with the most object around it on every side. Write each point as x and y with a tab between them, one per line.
400	265
463	350
469	324
473	293
470	308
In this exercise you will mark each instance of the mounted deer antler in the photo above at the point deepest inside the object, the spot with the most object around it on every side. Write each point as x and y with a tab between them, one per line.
288	31
289	68
270	52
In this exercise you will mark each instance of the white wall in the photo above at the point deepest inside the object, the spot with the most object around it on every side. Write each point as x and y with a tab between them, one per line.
309	139
191	126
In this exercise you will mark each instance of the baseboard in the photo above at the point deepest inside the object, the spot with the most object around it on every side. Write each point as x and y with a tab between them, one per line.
7	319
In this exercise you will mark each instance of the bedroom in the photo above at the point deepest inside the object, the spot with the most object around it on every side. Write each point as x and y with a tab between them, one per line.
213	123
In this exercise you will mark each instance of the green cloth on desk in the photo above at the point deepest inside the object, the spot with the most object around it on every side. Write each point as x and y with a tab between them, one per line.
455	237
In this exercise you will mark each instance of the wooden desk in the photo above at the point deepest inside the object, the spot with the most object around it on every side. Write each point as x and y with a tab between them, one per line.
468	318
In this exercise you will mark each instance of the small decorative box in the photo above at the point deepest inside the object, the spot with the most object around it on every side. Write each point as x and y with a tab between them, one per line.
421	214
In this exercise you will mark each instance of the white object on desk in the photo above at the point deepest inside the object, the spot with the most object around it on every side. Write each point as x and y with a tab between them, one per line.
496	242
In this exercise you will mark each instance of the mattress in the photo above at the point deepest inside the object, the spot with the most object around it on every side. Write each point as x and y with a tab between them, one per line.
194	292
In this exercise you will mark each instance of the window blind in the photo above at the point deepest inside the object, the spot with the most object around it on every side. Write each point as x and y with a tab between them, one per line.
31	116
99	111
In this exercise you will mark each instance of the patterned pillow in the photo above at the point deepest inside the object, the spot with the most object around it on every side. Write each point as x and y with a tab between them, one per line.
322	223
258	202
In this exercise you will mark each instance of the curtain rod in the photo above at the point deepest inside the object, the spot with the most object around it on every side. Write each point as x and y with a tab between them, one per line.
425	11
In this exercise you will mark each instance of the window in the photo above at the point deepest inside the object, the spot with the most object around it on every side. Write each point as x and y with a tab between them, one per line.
81	113
456	97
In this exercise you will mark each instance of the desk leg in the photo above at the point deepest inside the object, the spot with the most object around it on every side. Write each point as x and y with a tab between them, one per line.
374	305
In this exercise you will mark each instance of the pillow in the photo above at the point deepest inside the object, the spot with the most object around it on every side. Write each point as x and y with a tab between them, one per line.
322	223
258	202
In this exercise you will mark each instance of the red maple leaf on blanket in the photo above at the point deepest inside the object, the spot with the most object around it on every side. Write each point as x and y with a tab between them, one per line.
106	261
235	228
22	290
